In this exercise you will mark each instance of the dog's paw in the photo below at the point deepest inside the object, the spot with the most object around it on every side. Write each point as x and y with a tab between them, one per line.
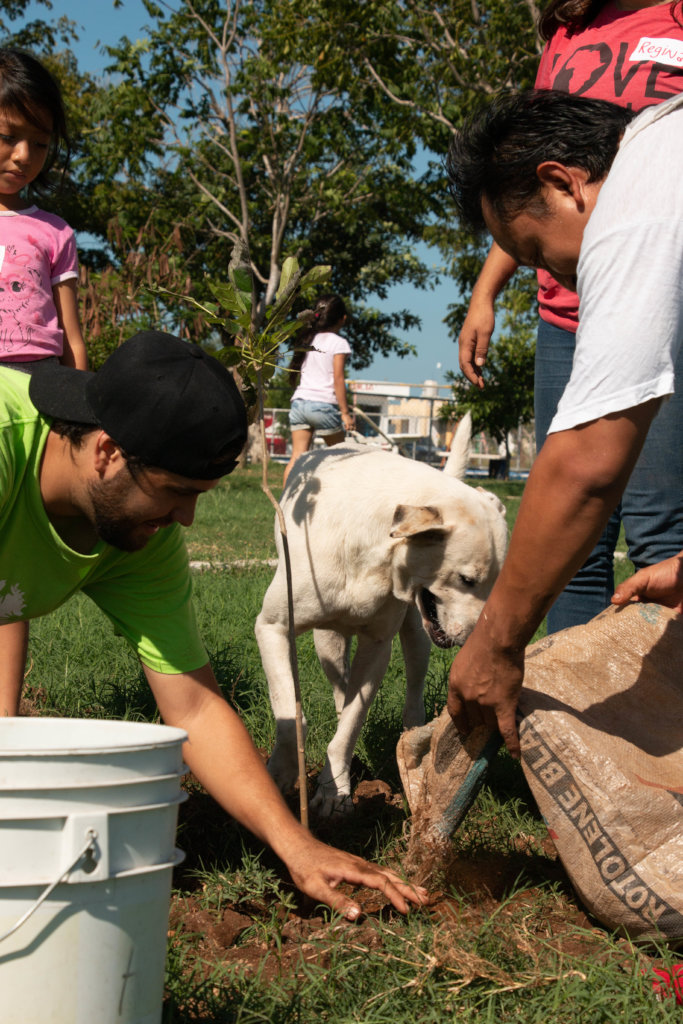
332	798
283	770
327	802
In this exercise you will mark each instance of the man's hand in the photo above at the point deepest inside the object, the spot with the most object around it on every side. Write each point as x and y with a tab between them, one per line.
474	339
318	869
661	583
221	755
475	335
483	688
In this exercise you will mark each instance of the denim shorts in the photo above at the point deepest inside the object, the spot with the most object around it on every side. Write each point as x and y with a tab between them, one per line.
323	417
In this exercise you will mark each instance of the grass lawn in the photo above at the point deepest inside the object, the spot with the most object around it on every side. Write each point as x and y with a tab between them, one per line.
505	938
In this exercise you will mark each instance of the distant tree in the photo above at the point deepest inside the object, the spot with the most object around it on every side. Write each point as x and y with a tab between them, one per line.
37	35
507	400
214	127
436	61
291	125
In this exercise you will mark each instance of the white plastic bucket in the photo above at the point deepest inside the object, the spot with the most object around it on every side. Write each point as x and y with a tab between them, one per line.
88	813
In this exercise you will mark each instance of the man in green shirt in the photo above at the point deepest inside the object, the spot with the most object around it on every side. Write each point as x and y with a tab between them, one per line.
97	474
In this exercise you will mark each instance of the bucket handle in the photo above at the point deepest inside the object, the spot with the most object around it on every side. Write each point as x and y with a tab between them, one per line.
90	850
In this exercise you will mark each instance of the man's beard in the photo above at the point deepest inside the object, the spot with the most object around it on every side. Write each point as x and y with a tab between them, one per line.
113	528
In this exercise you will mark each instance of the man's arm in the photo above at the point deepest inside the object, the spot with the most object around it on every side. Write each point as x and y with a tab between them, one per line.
476	331
574	485
222	756
13	647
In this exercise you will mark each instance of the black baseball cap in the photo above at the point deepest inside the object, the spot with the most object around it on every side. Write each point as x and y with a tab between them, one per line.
161	399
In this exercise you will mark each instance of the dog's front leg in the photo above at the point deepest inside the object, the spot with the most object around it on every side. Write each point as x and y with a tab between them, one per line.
416	647
333	794
273	641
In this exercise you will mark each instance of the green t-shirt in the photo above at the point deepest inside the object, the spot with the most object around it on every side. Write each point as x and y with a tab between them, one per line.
146	594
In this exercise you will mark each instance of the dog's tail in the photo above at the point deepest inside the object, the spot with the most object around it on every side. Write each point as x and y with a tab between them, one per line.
461	449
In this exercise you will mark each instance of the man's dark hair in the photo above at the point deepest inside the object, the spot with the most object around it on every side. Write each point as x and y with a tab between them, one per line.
76	433
496	152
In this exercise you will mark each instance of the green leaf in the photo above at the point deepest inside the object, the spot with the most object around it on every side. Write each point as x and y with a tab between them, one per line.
231	355
290	268
241	279
226	295
230	326
316	276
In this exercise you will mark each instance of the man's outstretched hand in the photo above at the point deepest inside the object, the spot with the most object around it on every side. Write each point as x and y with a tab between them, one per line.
318	870
661	583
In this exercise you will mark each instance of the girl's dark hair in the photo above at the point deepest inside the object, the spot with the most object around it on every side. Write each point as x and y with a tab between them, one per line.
578	14
28	87
328	311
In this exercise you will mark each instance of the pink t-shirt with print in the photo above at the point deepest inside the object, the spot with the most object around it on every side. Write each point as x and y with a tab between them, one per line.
633	58
37	251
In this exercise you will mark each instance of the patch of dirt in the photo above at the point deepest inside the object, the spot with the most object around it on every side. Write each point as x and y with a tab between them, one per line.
278	943
263	937
300	940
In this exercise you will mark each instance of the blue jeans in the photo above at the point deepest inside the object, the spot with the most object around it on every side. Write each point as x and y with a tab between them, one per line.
651	507
322	417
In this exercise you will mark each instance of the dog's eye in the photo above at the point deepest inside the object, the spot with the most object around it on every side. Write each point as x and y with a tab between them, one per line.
467	581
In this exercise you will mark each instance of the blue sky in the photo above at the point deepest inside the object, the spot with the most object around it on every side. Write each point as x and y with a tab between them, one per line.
99	22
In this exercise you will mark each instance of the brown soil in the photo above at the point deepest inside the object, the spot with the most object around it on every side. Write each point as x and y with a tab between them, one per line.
260	936
477	887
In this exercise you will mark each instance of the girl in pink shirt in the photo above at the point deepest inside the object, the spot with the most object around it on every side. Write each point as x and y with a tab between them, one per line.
38	261
38	267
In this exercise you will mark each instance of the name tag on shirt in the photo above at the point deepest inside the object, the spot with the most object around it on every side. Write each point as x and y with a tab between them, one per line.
659	51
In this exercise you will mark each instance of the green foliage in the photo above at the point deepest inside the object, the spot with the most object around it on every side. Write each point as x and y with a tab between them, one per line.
213	124
434	64
36	35
292	125
507	398
255	338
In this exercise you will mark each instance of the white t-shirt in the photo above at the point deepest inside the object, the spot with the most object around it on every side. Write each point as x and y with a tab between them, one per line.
630	276
317	372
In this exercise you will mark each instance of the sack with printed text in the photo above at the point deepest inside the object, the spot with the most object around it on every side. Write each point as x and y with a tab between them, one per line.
602	749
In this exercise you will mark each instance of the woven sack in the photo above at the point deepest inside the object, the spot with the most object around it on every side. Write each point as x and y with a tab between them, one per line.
602	750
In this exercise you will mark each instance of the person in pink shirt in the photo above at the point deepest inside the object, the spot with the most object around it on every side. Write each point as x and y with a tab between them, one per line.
629	52
38	261
319	401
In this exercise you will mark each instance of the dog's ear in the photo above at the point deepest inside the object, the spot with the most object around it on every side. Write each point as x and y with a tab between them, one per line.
494	499
461	449
418	520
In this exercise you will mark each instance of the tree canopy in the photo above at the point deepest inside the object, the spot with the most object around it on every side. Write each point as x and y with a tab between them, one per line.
214	128
292	125
507	400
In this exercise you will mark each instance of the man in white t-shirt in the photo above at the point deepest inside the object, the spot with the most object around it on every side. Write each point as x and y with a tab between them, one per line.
586	191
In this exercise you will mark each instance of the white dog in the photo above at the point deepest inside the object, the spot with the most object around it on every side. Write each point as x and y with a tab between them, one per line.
379	545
